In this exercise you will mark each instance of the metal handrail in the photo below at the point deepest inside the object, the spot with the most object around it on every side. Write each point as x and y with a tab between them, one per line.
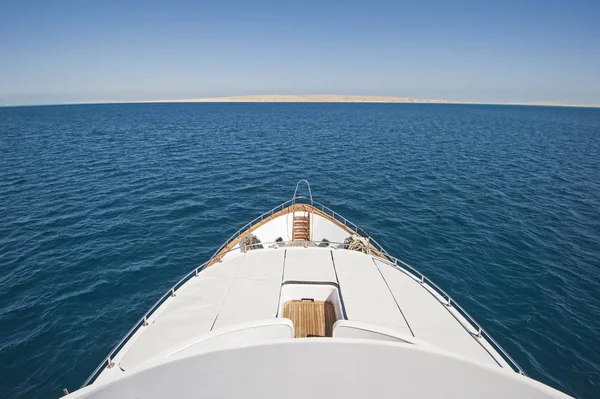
391	260
144	320
250	224
296	191
323	208
481	332
354	226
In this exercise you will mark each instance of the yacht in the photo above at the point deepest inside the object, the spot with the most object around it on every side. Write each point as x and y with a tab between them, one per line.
303	303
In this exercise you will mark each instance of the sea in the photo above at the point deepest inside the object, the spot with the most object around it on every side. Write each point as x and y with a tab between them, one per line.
104	207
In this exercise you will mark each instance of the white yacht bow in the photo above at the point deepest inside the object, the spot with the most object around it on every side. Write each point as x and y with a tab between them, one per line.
301	303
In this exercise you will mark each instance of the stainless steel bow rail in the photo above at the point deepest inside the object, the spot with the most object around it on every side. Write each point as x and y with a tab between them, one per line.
299	196
481	333
328	211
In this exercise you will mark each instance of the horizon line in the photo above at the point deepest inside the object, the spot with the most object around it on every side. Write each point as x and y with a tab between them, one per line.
310	98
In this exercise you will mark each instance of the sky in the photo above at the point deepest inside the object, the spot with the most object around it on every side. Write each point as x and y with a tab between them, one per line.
95	51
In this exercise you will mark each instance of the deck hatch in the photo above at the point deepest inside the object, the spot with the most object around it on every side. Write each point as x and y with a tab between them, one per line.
311	318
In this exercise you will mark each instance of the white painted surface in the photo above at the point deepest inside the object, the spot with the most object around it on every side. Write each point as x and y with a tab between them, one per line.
241	334
358	330
324	228
281	226
321	368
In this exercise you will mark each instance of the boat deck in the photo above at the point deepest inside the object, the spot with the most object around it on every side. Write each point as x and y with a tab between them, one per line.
247	288
317	290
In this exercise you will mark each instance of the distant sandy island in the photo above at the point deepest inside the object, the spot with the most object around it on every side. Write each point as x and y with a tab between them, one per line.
319	98
315	98
339	98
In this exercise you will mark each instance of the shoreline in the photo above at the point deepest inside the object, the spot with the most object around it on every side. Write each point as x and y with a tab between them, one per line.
316	98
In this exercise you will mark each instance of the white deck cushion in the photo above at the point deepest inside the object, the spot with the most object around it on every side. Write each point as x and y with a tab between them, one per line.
309	264
262	264
429	319
191	312
228	268
250	298
365	293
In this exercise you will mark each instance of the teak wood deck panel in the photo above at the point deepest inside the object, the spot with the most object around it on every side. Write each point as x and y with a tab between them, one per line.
310	318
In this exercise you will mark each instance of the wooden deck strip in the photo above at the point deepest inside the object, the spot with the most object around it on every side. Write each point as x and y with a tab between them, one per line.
310	318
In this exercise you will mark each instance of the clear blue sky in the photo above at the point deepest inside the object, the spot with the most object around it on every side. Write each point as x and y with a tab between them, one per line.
68	51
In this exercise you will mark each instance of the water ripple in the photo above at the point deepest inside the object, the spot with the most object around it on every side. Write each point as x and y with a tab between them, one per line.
103	207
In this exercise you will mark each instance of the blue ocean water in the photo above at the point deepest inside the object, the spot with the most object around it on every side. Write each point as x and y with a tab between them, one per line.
104	207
